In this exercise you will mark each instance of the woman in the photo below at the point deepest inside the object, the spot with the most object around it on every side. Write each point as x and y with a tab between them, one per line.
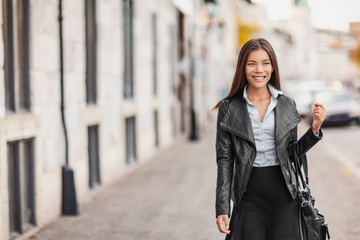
255	124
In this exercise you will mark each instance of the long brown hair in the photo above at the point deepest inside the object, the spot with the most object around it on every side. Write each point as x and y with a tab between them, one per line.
240	80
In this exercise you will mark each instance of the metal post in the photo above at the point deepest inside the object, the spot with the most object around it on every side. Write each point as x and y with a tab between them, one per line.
69	203
193	128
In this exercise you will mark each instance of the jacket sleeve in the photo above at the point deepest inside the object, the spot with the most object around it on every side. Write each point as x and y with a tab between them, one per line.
225	164
307	141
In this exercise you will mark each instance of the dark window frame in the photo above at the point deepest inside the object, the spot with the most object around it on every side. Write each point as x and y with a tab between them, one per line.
154	27
173	120
24	53
128	49
172	52
91	54
9	56
130	140
22	27
21	191
94	156
156	127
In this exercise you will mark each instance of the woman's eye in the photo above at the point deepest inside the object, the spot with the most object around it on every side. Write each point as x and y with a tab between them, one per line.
251	64
267	63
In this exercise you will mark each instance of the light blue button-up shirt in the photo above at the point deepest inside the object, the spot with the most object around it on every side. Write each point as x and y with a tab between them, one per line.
264	132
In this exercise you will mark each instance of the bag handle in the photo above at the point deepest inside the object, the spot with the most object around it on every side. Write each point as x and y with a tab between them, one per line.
303	175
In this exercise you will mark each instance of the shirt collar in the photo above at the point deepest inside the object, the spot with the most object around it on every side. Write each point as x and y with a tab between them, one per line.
273	91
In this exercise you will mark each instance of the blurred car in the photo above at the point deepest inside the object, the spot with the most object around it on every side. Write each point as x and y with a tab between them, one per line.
303	93
340	106
303	102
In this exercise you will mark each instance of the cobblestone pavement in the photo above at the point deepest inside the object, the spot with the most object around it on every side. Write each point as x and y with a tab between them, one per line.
172	197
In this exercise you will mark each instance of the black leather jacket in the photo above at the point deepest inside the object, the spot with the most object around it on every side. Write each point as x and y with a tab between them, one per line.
236	151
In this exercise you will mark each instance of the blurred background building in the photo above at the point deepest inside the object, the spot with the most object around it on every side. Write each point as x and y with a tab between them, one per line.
138	77
137	74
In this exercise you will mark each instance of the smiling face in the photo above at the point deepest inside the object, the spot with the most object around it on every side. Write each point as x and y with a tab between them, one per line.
258	69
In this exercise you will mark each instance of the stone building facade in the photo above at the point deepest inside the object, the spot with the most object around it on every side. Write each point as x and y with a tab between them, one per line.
130	70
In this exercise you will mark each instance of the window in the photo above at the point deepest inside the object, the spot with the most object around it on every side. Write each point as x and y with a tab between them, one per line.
173	120
128	49
21	188
181	86
16	39
154	47
171	57
94	161
90	31
156	128
130	133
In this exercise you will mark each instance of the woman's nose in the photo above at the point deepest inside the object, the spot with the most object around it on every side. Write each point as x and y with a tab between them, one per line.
259	68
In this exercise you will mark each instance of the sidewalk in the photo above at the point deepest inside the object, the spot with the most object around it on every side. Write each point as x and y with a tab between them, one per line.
337	192
169	197
173	197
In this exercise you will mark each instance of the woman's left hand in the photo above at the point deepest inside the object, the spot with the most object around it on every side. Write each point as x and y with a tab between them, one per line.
319	117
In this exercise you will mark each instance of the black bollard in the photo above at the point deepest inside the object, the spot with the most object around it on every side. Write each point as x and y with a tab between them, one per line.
69	203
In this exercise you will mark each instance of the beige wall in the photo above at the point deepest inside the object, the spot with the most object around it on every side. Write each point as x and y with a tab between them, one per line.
44	121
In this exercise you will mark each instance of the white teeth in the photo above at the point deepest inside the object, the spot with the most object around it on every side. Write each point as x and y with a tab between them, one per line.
259	78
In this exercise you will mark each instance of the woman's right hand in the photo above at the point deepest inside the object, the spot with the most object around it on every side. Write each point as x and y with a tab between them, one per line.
221	221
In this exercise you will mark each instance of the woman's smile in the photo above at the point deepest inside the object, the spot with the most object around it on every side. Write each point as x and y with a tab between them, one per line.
259	78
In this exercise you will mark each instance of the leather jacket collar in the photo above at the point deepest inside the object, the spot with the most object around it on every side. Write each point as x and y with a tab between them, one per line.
237	120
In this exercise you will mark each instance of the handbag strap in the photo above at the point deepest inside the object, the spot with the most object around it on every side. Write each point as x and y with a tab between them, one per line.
305	166
303	175
305	184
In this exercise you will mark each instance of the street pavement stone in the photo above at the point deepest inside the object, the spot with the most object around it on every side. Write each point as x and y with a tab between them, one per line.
169	197
337	193
172	197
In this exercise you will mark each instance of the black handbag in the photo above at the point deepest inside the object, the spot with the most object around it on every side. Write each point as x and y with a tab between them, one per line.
312	223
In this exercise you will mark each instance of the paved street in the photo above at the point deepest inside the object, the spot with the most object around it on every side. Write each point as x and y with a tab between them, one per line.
335	180
172	196
344	142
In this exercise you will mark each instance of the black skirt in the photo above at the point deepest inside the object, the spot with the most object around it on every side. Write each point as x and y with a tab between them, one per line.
267	210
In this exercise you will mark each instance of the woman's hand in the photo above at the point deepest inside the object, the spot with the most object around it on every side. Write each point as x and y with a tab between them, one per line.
319	117
220	221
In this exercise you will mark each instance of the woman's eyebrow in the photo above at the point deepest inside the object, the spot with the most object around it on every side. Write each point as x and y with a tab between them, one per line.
262	60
